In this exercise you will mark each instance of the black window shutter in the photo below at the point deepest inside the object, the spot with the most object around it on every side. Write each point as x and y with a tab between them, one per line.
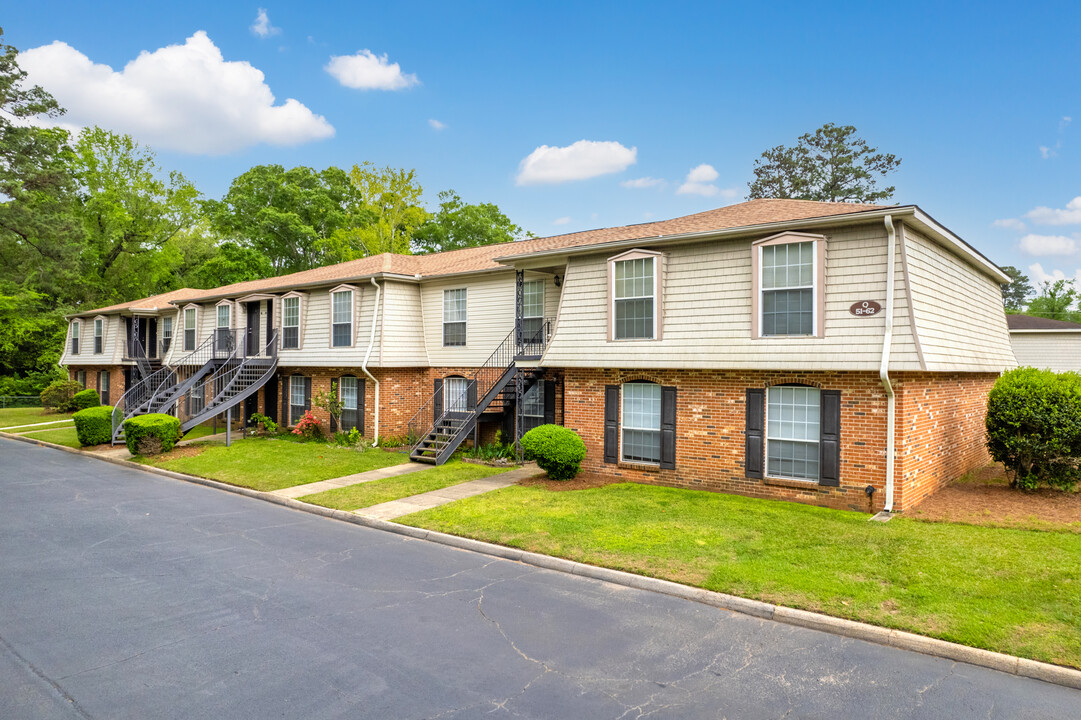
549	401
668	428
437	403
360	405
286	384
829	446
307	394
754	451
611	423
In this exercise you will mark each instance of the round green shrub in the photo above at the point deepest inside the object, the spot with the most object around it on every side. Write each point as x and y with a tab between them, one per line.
60	395
86	399
94	426
151	434
557	450
1034	427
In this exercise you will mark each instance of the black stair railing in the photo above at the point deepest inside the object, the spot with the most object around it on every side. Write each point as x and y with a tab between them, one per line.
234	379
536	332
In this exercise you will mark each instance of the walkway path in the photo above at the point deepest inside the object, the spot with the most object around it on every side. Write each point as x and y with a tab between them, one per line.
23	428
435	498
354	479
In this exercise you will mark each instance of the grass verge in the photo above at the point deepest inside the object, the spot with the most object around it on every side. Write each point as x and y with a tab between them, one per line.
271	464
371	493
18	417
1013	591
200	431
63	436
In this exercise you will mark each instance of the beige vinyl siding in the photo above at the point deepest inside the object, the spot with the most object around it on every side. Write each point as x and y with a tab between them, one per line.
1057	351
401	316
112	343
958	309
315	349
176	347
706	313
489	317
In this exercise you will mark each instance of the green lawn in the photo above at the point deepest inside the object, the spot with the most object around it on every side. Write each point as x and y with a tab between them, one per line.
270	464
15	417
395	488
63	436
200	431
1014	591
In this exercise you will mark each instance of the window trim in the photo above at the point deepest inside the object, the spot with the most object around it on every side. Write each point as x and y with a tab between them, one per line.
818	304
76	334
537	387
289	389
99	323
195	327
463	322
217	314
107	390
301	305
766	474
356	399
659	265
620	458
170	320
353	290
447	381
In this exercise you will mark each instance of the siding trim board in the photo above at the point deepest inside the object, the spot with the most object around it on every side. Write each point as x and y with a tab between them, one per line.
908	294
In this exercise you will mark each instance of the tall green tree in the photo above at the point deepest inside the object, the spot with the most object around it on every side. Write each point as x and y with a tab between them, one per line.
387	213
1015	293
456	225
832	164
1056	300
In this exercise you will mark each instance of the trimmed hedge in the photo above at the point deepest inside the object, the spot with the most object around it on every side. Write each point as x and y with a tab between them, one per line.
1034	427
86	399
94	426
557	450
60	395
151	434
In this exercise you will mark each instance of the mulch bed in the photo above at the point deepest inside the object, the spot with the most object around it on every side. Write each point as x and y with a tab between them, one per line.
985	497
582	482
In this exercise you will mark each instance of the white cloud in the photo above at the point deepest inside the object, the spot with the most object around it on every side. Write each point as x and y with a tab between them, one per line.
1070	215
562	220
1039	275
1048	245
180	97
367	71
262	26
1009	224
580	161
643	182
699	181
1064	122
435	124
1047	153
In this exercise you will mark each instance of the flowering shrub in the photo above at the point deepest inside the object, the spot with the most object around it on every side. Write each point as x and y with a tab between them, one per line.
308	427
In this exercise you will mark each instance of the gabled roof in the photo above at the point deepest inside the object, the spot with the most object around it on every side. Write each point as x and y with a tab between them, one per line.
1031	322
154	302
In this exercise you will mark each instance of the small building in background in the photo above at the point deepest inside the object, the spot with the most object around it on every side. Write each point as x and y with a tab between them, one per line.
1045	343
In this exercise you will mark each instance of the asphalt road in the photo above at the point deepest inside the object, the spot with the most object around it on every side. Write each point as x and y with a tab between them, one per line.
127	595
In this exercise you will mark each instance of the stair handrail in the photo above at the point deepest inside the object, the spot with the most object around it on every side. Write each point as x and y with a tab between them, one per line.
228	373
218	338
148	388
534	346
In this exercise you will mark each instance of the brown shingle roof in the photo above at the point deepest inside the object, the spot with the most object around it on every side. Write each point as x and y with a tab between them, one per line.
147	303
1031	322
478	259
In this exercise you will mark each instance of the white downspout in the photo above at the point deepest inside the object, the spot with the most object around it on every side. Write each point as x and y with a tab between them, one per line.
368	354
884	368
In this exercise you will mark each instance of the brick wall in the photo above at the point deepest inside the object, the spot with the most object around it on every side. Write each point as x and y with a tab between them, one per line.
943	425
116	378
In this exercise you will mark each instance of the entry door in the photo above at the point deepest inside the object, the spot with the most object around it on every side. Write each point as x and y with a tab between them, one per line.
253	328
270	392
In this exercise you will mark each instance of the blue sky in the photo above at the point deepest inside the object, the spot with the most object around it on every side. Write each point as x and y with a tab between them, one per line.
981	100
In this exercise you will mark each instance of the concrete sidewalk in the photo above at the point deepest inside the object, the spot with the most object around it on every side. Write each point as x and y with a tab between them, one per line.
346	480
435	498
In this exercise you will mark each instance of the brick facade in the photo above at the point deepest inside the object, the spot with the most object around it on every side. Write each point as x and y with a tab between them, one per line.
939	432
116	379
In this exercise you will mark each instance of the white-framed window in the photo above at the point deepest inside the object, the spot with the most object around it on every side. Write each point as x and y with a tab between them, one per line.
634	291
189	328
103	386
76	327
641	422
347	393
455	394
341	304
532	310
99	336
80	377
788	289
166	334
454	317
793	415
533	401
298	398
225	316
291	322
223	325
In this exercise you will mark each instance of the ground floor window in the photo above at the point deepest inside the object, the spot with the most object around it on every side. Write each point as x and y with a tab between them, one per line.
455	391
80	377
299	387
347	390
103	386
641	422
792	432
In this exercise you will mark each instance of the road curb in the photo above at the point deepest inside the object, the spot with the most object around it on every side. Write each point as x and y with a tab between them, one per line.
1023	667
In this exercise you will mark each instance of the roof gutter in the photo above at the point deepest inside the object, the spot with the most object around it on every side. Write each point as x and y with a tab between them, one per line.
884	368
368	354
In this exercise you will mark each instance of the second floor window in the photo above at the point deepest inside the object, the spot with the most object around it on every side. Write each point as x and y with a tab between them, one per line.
290	323
788	289
223	317
454	317
532	310
189	329
342	318
166	334
99	336
634	291
75	327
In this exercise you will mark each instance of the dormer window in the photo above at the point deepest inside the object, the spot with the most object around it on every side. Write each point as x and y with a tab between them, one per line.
788	294
634	287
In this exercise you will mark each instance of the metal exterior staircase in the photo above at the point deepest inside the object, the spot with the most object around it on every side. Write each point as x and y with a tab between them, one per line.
499	381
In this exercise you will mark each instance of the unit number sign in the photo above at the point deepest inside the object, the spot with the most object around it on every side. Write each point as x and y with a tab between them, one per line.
865	307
